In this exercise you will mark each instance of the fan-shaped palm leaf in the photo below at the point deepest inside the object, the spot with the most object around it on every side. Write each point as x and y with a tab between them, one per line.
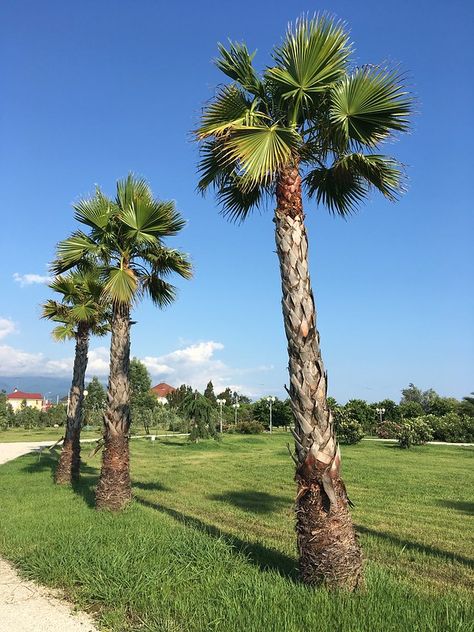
369	105
236	63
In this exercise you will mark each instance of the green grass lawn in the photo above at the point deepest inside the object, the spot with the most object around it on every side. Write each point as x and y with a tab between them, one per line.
53	434
208	543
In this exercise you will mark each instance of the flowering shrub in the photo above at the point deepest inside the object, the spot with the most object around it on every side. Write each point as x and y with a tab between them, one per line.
388	429
452	427
348	429
414	432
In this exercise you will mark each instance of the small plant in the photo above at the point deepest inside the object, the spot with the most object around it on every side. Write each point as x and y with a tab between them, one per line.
247	427
414	432
348	429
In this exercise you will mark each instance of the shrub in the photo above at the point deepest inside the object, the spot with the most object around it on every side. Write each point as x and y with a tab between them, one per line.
414	432
247	427
388	429
348	429
452	427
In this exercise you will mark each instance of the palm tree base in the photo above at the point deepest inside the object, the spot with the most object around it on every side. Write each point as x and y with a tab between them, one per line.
63	475
114	490
329	552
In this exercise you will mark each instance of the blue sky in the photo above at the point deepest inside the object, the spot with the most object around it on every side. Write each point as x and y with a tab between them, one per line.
94	89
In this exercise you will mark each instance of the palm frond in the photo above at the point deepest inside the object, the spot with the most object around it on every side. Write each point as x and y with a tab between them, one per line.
313	55
121	285
165	261
71	251
347	182
261	151
161	292
213	167
237	199
369	105
94	212
63	332
228	109
236	63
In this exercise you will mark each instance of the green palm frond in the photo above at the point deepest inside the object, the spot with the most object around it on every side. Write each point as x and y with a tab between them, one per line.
237	199
165	261
95	211
236	63
63	332
121	285
130	190
347	182
161	292
149	221
72	251
369	105
55	311
313	55
261	151
228	109
213	167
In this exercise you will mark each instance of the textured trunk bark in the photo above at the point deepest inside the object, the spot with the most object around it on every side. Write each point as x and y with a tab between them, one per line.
69	464
329	552
114	488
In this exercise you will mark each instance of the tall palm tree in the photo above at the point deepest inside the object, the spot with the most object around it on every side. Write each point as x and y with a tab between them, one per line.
80	313
126	238
308	120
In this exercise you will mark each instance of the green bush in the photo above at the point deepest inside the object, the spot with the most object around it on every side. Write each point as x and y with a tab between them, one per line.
348	429
414	432
388	429
452	427
246	427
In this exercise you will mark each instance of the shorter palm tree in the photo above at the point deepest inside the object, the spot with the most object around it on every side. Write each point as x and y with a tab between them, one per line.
126	239
80	313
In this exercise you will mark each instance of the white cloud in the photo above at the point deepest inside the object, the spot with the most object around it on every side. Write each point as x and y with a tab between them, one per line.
30	279
194	364
7	327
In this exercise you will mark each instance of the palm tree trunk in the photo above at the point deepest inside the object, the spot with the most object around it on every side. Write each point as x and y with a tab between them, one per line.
329	552
114	488
69	464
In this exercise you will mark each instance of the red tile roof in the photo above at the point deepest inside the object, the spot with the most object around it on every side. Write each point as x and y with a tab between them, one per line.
21	395
162	390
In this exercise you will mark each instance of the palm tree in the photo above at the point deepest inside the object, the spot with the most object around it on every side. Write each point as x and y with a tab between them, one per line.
80	313
308	120
126	238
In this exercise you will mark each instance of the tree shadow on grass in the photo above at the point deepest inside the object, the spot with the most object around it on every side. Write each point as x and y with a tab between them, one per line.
155	487
252	501
461	506
408	545
261	556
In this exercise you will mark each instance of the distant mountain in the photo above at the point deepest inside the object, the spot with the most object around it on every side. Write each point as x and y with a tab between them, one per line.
49	387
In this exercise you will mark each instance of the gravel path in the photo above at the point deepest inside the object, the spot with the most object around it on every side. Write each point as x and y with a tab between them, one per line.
25	606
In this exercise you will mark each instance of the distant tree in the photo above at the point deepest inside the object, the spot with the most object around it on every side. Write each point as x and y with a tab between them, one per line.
410	409
467	405
360	410
95	401
332	403
413	394
176	397
142	399
440	406
227	395
209	393
201	414
281	412
392	411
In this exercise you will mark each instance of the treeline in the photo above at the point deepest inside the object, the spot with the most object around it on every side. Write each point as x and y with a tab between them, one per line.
420	416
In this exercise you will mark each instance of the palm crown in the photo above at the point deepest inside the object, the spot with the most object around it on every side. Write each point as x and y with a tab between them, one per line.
81	305
308	109
126	238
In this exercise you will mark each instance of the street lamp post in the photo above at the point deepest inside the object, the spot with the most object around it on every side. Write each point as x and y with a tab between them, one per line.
380	412
221	403
235	406
270	401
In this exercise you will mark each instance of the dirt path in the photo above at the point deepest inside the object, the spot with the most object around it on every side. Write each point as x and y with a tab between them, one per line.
24	605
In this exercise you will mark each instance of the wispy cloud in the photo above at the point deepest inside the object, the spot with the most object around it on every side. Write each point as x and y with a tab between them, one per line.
195	364
7	327
30	279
